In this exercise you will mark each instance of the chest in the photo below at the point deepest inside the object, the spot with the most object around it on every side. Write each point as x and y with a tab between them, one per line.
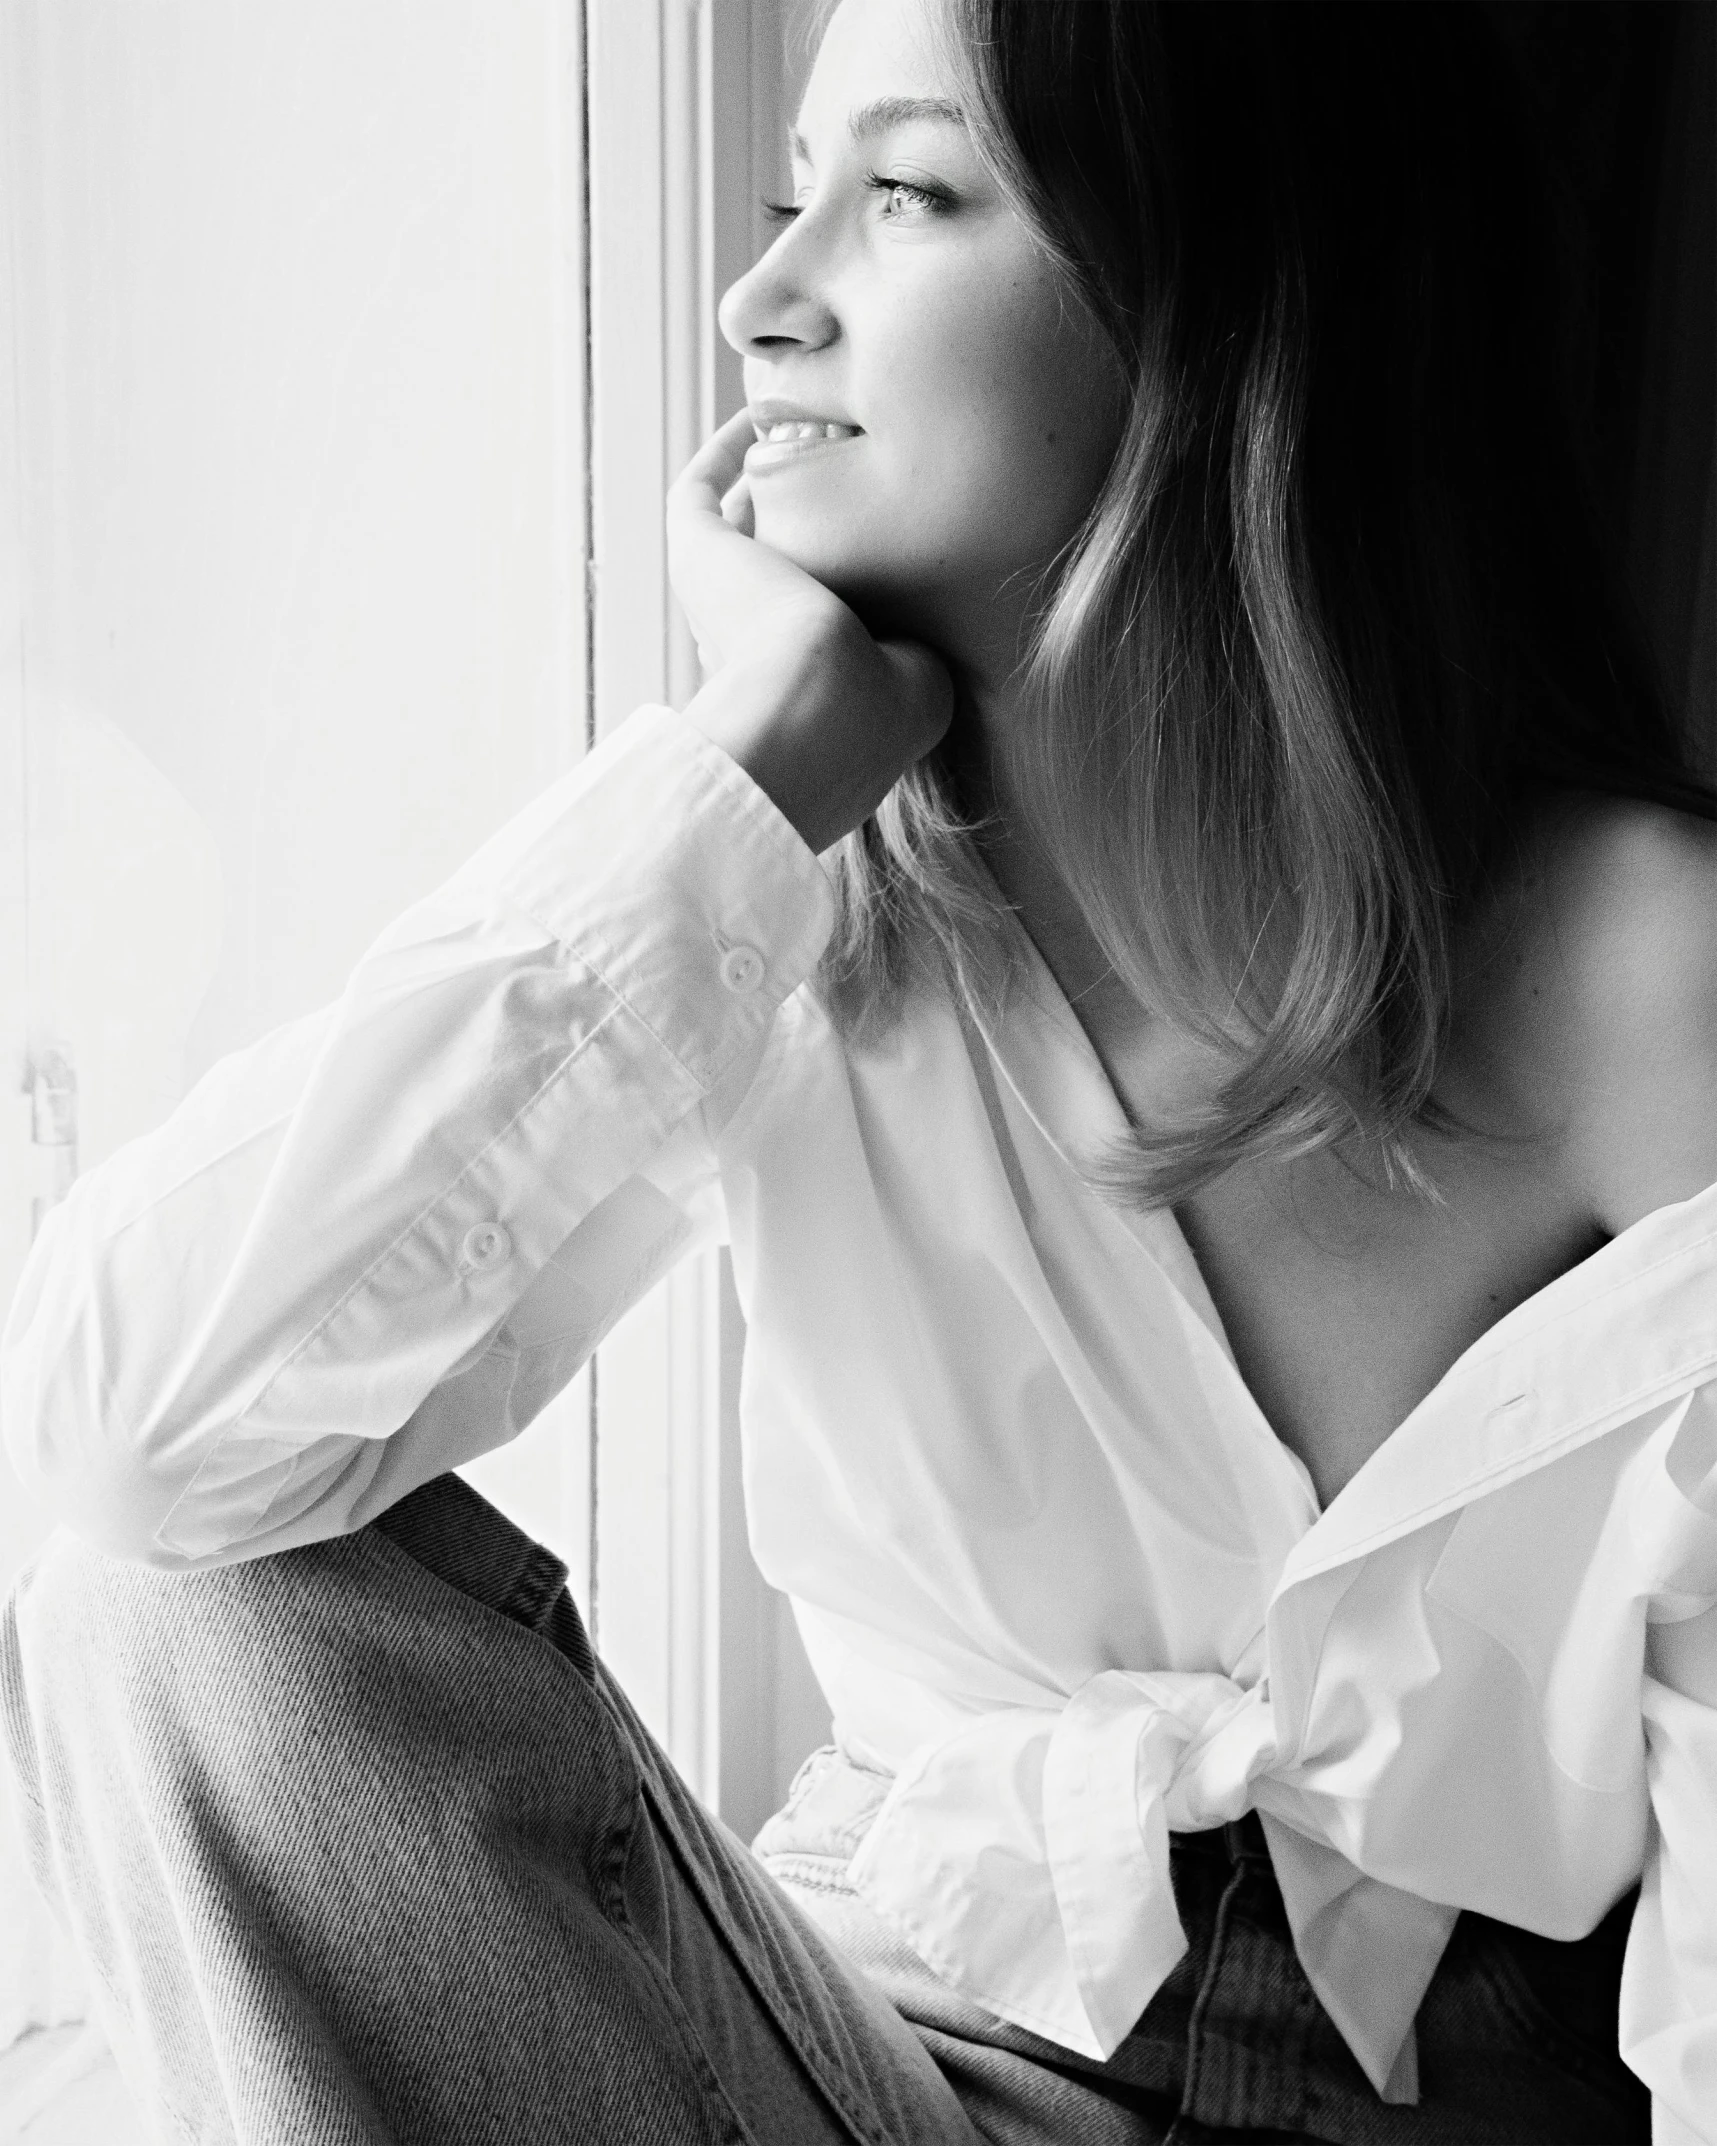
1344	1299
1345	1304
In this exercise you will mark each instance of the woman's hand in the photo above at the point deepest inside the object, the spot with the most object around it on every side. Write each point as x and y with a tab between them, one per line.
821	716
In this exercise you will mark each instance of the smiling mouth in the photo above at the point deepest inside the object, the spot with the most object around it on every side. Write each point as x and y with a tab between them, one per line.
790	441
804	429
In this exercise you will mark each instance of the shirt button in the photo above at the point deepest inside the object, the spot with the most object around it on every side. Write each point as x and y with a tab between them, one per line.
742	969
487	1245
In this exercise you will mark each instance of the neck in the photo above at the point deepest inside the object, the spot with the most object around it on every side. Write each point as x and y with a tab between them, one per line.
982	634
985	648
988	784
984	644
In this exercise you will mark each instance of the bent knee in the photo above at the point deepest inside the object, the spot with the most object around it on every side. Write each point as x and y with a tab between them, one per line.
68	1631
78	1616
287	1665
143	1665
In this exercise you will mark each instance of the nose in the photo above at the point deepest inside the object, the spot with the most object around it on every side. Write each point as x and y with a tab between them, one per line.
775	309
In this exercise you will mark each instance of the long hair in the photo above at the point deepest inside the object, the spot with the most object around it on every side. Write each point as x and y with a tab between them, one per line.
1337	614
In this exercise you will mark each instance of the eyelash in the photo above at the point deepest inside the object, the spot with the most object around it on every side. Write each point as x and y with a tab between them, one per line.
929	197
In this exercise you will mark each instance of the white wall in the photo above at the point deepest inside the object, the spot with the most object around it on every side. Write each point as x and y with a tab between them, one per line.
291	583
298	354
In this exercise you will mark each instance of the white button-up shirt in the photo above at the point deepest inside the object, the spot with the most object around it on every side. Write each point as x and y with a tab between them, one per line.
1057	1575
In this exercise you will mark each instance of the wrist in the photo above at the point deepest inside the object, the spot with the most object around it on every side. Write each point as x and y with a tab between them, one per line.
762	712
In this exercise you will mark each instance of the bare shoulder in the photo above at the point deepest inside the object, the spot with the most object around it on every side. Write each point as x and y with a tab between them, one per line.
1618	934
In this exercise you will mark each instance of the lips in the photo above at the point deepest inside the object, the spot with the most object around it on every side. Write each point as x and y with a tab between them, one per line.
770	414
809	428
788	436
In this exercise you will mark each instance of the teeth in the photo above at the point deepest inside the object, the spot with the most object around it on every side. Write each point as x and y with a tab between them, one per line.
798	429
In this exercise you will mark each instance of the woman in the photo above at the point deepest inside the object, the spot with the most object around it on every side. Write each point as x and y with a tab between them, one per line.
1218	1162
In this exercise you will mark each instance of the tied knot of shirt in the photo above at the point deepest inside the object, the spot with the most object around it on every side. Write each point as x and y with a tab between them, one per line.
1025	1857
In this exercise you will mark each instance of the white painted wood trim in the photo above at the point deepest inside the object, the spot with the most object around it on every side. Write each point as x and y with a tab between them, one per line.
686	130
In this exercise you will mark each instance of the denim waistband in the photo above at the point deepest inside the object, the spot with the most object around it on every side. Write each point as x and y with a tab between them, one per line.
1516	2036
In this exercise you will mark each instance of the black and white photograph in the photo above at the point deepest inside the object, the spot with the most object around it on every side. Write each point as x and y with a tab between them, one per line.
858	1072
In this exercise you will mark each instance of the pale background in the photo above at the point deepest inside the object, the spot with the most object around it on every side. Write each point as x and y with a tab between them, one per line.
342	368
332	450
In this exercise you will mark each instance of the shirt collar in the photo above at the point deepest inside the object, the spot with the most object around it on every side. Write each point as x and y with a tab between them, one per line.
1626	1330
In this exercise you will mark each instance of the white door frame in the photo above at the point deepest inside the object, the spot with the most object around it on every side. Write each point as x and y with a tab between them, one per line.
686	129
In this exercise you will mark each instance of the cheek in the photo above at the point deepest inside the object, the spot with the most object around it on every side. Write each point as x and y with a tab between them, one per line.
991	420
1007	445
1035	464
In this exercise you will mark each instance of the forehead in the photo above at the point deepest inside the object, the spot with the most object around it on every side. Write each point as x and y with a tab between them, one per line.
873	51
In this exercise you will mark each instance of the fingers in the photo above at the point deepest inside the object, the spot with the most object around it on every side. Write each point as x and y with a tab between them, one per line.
730	587
736	509
715	469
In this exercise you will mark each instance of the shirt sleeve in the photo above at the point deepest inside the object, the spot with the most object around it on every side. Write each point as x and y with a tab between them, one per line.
1669	1980
375	1243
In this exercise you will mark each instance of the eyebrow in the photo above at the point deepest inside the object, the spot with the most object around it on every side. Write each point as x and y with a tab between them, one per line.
886	112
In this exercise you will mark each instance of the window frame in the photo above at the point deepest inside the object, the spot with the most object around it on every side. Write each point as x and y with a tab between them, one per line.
684	131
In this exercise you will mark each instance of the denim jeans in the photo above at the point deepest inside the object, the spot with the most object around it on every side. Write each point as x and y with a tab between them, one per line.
361	1844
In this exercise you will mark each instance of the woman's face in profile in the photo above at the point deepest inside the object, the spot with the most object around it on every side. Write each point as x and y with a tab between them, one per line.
975	407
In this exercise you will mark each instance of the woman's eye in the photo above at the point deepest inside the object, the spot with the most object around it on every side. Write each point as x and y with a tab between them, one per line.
906	200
